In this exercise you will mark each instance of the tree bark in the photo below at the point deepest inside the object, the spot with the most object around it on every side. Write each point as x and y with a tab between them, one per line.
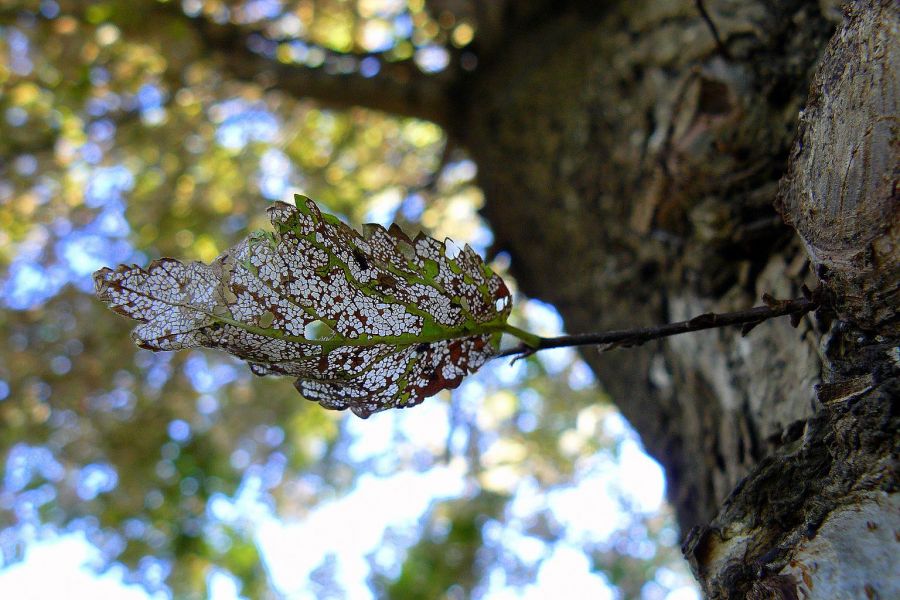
630	171
820	518
630	164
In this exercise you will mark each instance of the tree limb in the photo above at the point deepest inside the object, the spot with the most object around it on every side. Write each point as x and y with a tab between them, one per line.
607	340
399	87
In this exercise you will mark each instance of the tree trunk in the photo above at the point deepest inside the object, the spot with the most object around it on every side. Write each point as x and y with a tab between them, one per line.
631	159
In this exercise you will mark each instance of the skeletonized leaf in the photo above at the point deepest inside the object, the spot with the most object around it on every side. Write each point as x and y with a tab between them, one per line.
366	322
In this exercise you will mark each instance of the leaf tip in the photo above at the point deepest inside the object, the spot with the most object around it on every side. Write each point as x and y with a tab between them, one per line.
361	412
398	233
101	281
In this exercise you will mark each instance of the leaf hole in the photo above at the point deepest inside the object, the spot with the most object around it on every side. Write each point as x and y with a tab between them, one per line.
451	250
317	330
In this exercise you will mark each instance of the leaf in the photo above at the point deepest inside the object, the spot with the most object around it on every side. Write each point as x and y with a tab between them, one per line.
366	322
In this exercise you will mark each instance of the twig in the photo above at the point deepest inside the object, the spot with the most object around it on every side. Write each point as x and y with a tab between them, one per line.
704	14
634	337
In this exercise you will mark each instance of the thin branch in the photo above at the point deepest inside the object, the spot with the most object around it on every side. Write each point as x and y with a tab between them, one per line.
399	87
634	337
704	14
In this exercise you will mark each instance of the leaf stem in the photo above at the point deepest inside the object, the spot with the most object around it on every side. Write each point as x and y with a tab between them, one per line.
528	339
608	340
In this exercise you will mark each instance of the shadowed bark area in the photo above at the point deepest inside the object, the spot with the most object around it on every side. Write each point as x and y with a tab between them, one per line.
630	170
631	167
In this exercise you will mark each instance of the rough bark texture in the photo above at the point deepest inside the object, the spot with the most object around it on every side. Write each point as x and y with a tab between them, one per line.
841	191
631	166
630	170
821	517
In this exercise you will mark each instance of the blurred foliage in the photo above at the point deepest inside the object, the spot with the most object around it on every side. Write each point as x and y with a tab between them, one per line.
121	139
444	562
